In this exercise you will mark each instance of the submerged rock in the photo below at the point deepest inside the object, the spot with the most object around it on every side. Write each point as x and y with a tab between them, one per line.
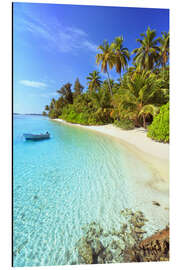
154	248
138	230
156	203
123	245
35	197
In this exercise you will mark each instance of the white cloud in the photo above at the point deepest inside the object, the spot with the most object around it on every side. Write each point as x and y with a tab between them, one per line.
90	46
33	84
50	95
56	35
77	31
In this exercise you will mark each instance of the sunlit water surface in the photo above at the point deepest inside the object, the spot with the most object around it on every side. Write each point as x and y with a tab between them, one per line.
60	184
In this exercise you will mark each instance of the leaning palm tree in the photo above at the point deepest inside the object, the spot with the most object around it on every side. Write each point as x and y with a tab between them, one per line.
147	110
164	49
121	55
94	80
147	54
106	58
134	100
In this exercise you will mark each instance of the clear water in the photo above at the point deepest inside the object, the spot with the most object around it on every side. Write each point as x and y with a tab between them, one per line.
76	177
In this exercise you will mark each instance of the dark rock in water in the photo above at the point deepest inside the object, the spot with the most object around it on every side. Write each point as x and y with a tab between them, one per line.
156	203
23	216
124	245
107	247
154	248
35	197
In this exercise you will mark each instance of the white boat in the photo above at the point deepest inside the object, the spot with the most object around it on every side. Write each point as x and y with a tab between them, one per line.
36	137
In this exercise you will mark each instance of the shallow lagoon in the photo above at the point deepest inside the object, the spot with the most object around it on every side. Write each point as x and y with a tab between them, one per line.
61	184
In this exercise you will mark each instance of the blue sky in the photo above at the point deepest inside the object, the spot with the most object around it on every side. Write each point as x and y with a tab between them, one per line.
54	44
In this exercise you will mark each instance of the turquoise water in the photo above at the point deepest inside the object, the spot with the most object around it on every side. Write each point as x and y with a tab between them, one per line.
76	177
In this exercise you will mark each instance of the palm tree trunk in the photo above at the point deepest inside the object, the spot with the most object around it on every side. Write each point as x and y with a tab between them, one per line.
136	122
109	83
163	66
144	121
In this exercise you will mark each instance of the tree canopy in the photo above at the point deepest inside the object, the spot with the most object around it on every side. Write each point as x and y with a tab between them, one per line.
132	100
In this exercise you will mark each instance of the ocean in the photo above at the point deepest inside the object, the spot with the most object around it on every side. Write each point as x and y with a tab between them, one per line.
61	184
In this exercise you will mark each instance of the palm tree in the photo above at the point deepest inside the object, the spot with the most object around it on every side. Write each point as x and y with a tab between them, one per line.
66	93
164	49
101	101
147	54
52	104
94	80
134	99
106	58
78	88
46	108
146	110
121	53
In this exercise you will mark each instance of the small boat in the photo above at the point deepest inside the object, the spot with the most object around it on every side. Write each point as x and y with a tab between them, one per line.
35	137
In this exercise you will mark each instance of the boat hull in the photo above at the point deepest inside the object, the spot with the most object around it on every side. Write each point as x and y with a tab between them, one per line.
37	137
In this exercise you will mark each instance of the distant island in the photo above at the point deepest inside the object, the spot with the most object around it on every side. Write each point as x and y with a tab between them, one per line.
27	113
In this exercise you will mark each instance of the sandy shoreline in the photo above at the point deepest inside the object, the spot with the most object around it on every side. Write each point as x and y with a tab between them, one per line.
155	153
156	157
136	137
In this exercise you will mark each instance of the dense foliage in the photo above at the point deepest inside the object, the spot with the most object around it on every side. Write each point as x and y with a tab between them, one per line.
91	108
159	129
124	124
133	100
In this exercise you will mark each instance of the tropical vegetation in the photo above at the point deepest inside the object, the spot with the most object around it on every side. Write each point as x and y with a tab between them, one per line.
138	98
159	129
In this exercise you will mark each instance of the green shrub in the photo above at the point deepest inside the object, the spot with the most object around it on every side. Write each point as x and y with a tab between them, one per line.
124	124
53	114
72	115
159	129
